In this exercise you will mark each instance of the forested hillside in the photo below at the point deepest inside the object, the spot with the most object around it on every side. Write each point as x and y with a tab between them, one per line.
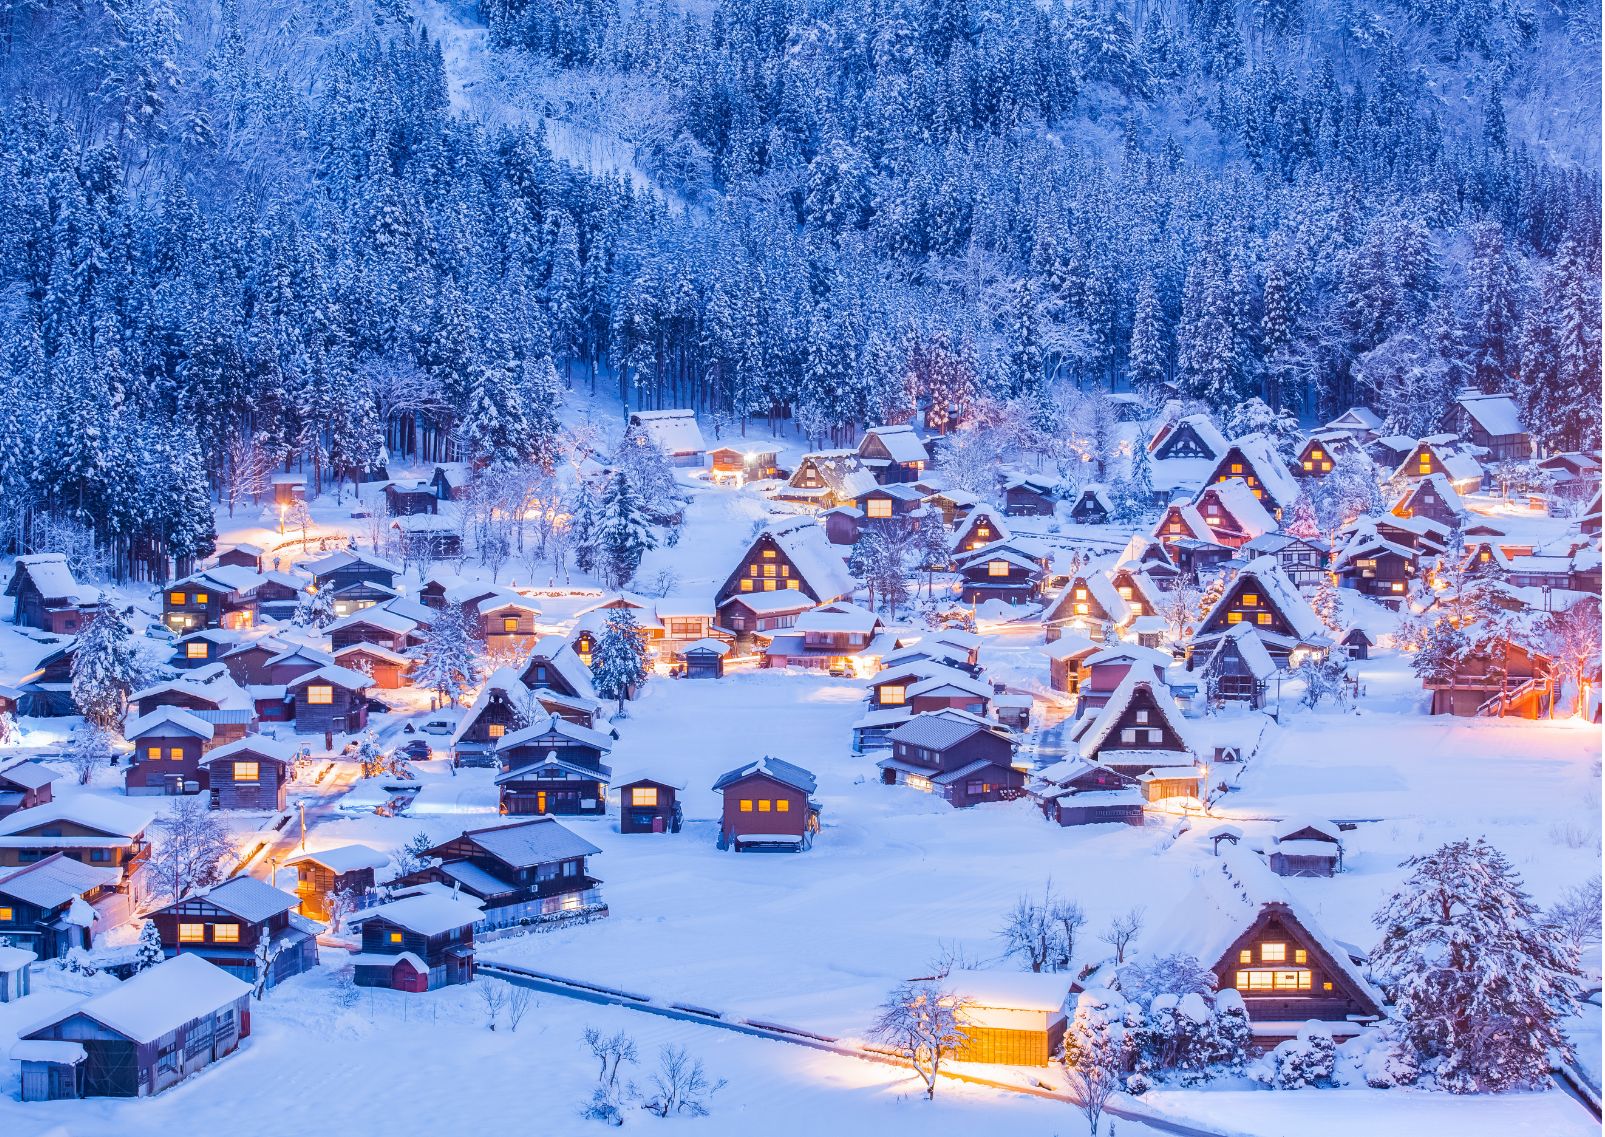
242	236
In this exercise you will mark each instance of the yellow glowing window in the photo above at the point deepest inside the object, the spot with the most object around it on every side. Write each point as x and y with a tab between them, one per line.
247	771
769	554
1483	556
752	570
1175	526
997	568
769	570
226	933
191	933
1237	467
1426	464
794	583
1325	466
746	805
768	586
496	730
176	753
1263	618
746	584
1081	609
1301	956
201	598
1081	594
764	805
509	623
1273	953
1250	599
1398	586
892	695
175	598
154	753
785	570
1245	956
1125	591
878	507
1316	454
982	531
1234	617
6	915
1327	986
320	696
1309	465
782	805
395	937
195	650
644	795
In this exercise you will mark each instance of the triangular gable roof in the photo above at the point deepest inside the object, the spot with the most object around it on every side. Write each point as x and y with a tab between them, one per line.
334	562
103	815
553	759
675	431
1193	521
1356	418
50	575
1141	677
342	677
1098	492
158	1000
556	724
1238	502
165	720
1438	484
1461	465
1260	459
1203	428
900	442
255	745
784	772
982	512
1279	592
1252	649
556	653
808	548
1498	415
1099	588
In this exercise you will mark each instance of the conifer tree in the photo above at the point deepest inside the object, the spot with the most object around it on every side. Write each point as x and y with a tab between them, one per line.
106	668
626	533
618	662
448	659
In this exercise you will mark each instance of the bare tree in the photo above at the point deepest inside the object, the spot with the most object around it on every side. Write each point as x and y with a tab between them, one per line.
924	1023
192	851
518	1003
1122	931
680	1085
493	994
1577	915
611	1053
1068	919
89	751
247	471
1028	933
1094	1079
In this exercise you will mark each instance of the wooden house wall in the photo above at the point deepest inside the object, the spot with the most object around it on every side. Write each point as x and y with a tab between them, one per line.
638	818
1328	998
269	792
153	775
756	789
765	568
347	712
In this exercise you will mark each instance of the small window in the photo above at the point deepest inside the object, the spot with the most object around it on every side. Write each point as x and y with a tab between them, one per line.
247	772
395	937
1142	716
1309	465
195	650
201	598
6	915
764	805
878	507
176	753
1300	955
1317	455
1263	618
1245	956
175	598
746	584
191	933
496	730
1250	600
509	623
1081	594
997	568
644	795
1237	467
746	805
1081	608
154	753
893	695
320	696
226	933
1234	617
769	554
769	570
1273	953
782	805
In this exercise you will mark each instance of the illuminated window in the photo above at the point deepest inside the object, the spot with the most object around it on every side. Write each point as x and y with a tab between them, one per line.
1263	618
769	570
320	696
1237	467
1300	956
1081	594
509	623
1316	454
154	753
395	937
201	598
782	805
785	570
997	568
746	584
1326	467
191	933
768	586
746	805
1327	986
644	795
892	695
878	507
195	650
752	570
247	772
1250	600
1234	617
176	753
1273	953
1125	592
6	915
764	805
1398	586
982	531
1245	956
1309	465
175	598
1081	609
769	554
496	730
793	583
226	933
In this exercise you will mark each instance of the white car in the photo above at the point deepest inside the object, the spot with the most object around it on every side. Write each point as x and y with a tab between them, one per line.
438	726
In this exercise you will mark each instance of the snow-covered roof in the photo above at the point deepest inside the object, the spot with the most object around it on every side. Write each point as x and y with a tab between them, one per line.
554	764
811	554
1292	825
250	899
784	772
900	442
50	575
1099	588
778	602
953	681
245	547
560	657
717	647
1442	487
1275	586
1238	501
222	578
1141	677
1012	990
165	720
28	774
342	677
1099	493
344	858
160	999
555	724
1460	464
1356	418
676	431
427	914
374	616
1208	433
1188	514
377	651
1279	484
631	777
840	617
334	562
55	881
380	959
104	815
1252	648
1069	644
934	731
537	841
45	1049
1496	414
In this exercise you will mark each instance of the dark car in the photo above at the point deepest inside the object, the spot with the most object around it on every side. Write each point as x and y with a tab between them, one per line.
417	751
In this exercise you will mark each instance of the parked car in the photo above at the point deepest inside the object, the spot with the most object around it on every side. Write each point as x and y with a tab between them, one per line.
417	751
439	726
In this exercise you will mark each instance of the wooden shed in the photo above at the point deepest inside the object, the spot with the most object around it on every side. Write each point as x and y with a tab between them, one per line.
1011	1018
345	868
1306	847
649	805
768	804
704	659
253	773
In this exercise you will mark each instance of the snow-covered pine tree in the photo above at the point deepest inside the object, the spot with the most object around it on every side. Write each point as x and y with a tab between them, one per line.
1480	980
1302	521
585	527
314	609
1147	355
149	952
448	659
626	534
105	669
1327	604
618	662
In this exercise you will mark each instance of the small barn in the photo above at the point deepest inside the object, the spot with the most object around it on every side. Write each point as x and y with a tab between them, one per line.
704	659
25	784
418	943
1029	497
1358	643
16	973
1306	847
1092	505
345	869
243	925
1010	1018
1190	437
1078	792
675	432
768	804
649	805
252	773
